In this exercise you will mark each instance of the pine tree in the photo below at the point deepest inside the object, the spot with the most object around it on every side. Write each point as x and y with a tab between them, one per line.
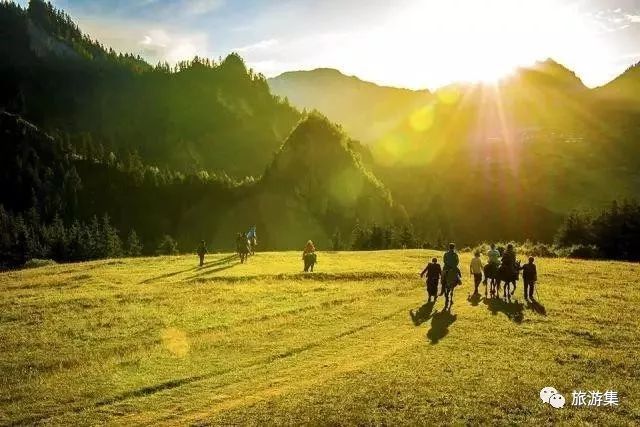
56	237
336	240
406	237
94	239
111	244
376	241
168	246
134	246
359	238
7	236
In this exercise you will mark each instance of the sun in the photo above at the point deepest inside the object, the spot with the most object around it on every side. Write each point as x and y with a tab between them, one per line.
434	43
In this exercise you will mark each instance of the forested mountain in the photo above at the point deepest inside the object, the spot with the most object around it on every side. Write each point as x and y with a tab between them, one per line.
198	115
504	160
102	154
625	87
365	110
62	204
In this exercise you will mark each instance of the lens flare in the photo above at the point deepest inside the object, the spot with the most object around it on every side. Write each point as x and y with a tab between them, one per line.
422	119
175	341
448	95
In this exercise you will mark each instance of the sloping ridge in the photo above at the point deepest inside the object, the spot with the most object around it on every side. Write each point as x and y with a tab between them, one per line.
314	185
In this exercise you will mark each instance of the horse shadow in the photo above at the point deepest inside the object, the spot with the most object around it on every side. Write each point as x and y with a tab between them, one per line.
536	307
474	299
206	273
422	314
166	276
220	261
440	322
514	310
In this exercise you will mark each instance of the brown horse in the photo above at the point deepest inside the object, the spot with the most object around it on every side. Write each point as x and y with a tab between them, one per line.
492	277
242	247
509	275
450	280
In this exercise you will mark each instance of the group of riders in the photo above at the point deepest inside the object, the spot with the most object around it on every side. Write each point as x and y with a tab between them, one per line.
501	267
246	244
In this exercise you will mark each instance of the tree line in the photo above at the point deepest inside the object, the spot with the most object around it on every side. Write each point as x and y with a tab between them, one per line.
614	233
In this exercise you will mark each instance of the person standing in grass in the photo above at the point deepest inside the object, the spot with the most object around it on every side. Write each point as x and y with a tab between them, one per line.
202	250
433	271
529	277
476	269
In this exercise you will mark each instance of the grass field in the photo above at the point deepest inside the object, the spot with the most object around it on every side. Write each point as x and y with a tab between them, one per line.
162	341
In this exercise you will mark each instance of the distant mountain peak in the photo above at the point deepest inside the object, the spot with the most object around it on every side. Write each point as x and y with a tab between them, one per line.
316	152
550	71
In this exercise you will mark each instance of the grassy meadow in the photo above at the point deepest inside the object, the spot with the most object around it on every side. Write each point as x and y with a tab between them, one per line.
162	341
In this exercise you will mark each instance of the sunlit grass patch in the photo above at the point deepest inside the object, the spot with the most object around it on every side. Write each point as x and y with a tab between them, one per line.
161	340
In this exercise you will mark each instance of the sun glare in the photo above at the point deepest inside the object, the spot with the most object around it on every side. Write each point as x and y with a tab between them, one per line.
437	42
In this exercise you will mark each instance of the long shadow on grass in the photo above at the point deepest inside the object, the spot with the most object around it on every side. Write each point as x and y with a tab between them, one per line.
206	267
535	306
440	322
422	314
166	276
474	299
204	275
221	261
513	310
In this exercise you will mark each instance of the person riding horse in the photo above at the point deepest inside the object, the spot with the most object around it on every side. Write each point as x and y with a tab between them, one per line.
309	256
509	270
252	238
491	269
242	247
451	276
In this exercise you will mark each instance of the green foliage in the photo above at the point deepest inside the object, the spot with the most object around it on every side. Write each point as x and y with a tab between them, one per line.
614	233
201	114
380	237
361	105
167	246
577	229
134	246
336	241
24	238
36	263
155	149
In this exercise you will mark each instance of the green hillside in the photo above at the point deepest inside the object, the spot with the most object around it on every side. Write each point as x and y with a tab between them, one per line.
366	111
161	341
199	114
510	159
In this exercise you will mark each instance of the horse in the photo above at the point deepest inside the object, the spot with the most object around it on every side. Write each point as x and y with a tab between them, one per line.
242	248
252	242
449	282
310	260
509	276
491	275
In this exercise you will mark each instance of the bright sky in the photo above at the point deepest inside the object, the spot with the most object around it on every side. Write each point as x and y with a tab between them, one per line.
409	43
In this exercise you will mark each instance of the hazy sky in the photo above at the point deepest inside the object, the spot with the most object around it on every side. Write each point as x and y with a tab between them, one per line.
411	43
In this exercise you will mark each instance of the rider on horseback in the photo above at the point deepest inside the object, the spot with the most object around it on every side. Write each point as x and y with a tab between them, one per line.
242	247
451	261
491	269
509	259
252	238
309	256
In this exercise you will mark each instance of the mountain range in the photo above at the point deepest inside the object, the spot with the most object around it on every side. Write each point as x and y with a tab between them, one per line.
204	149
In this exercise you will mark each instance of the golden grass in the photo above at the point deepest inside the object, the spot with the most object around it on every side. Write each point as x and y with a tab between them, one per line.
162	341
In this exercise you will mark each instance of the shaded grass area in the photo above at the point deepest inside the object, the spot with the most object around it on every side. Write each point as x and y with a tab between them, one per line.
160	340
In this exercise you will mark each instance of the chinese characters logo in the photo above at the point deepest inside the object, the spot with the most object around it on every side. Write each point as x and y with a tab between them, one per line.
551	396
